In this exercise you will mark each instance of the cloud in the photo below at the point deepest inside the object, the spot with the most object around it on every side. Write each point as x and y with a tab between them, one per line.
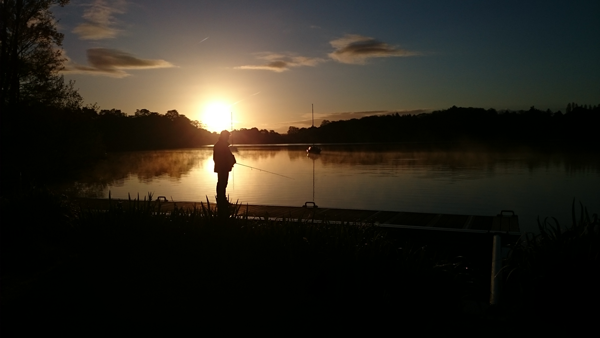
113	62
356	49
282	62
351	48
100	20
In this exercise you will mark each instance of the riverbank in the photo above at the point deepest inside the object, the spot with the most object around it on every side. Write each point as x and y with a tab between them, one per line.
131	265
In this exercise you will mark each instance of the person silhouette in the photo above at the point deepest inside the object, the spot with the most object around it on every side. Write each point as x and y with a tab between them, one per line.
224	161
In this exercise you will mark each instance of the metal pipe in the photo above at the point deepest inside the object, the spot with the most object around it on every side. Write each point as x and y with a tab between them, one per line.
496	270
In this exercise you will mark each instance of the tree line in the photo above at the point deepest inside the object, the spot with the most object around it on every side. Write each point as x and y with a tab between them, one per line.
578	126
148	130
151	130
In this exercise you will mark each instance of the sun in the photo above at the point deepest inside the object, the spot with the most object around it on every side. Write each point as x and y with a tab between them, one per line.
216	117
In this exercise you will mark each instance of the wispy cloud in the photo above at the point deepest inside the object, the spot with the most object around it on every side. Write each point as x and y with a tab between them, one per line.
356	49
352	48
100	22
282	62
113	62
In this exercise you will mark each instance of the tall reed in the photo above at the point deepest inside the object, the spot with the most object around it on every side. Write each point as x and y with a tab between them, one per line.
138	258
555	273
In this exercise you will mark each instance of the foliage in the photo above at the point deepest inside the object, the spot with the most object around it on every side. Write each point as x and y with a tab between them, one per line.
31	57
256	136
43	133
146	260
149	130
138	259
43	144
456	125
557	271
463	125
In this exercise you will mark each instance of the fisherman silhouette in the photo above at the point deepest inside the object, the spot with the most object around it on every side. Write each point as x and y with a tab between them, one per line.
224	161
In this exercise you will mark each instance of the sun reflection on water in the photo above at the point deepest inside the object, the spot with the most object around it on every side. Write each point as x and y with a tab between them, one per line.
422	181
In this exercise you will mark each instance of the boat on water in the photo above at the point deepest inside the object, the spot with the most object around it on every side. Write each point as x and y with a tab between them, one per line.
313	150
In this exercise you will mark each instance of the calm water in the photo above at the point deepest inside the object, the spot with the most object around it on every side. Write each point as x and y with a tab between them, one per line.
366	177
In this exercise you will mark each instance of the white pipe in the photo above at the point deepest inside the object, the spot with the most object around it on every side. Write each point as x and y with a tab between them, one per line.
496	267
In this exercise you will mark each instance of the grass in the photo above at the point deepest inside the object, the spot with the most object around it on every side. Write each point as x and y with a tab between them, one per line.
554	275
135	261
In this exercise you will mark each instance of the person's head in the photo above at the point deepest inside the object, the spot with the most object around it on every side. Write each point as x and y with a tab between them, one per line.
224	135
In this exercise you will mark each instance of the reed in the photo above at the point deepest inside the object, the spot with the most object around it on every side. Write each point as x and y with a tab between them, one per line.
554	273
138	254
138	257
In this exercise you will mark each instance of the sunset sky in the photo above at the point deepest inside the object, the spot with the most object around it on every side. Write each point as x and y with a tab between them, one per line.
268	61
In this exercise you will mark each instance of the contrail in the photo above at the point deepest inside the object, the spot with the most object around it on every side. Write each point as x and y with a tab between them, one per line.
249	96
233	104
206	38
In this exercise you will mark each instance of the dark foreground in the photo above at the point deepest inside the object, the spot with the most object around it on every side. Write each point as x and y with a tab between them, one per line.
65	268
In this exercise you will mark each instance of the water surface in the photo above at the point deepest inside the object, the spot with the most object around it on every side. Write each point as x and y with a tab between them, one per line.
455	181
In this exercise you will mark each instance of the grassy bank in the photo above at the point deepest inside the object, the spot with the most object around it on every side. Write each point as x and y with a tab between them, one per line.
132	263
555	274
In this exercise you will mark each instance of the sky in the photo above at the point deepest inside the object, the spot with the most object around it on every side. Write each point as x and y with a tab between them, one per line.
269	64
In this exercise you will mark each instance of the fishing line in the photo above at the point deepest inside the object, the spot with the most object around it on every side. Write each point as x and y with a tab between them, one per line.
270	172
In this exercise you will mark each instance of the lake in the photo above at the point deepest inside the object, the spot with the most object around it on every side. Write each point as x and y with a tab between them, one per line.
375	177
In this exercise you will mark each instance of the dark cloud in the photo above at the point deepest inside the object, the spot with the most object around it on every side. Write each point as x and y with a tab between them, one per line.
348	49
113	62
278	64
357	49
282	62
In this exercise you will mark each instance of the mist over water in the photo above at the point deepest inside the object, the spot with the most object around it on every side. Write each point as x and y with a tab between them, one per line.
396	178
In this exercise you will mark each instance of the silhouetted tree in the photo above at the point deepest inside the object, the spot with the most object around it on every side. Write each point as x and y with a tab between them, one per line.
197	124
40	113
141	112
463	125
112	112
172	115
31	57
150	130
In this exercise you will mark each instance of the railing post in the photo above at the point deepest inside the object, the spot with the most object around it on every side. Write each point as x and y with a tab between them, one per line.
496	267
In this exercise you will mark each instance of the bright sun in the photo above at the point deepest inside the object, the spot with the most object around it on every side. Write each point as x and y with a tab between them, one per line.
216	117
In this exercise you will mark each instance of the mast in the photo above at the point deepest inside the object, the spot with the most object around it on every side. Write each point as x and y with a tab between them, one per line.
313	180
313	149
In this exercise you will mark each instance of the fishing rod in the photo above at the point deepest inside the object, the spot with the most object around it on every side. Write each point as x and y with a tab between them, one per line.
243	165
